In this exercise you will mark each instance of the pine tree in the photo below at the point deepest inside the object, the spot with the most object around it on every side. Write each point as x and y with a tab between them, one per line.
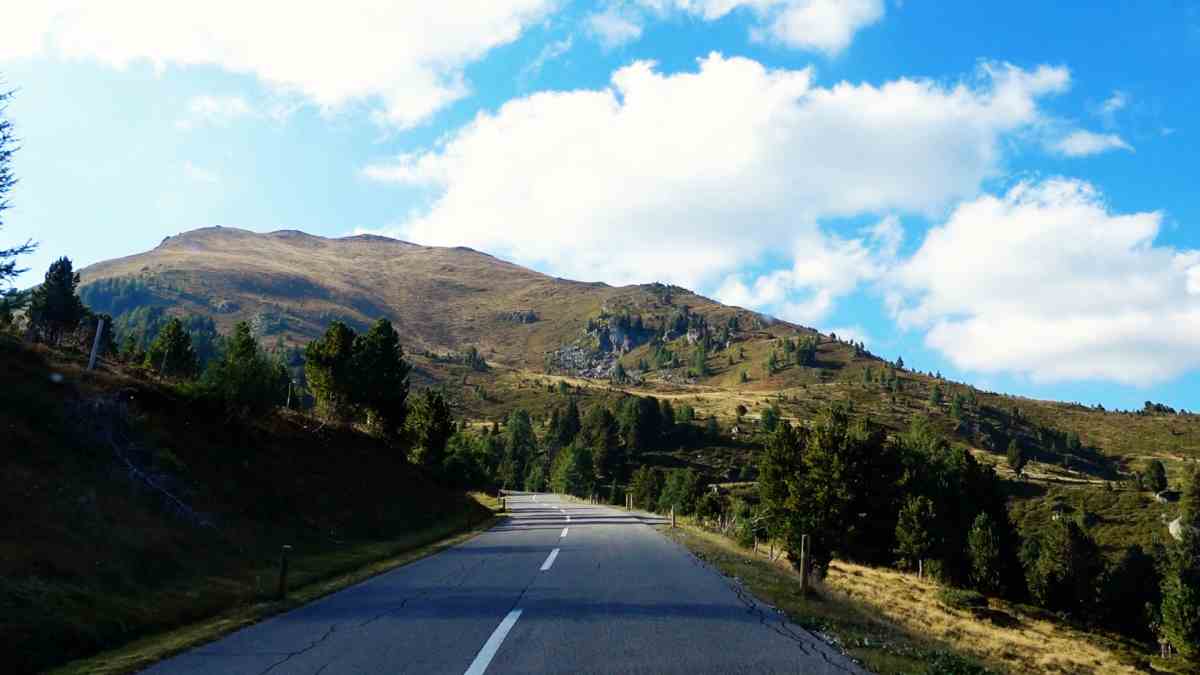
983	544
1016	457
430	424
380	377
329	369
712	430
54	307
8	264
1181	595
1189	507
245	379
770	418
171	352
1155	479
569	424
914	531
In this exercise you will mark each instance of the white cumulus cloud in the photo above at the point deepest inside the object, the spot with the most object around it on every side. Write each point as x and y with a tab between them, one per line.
694	176
405	59
214	110
1083	143
1048	282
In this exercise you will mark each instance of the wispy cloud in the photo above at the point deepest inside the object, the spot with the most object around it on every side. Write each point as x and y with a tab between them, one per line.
615	26
549	53
1082	143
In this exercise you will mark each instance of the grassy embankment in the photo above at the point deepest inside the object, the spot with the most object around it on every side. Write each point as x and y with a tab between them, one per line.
131	510
895	623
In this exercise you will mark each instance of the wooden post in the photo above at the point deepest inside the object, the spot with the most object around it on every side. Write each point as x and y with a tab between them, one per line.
803	564
503	504
283	570
756	545
96	343
920	568
672	516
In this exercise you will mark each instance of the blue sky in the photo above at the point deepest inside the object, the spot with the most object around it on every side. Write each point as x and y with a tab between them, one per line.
1004	192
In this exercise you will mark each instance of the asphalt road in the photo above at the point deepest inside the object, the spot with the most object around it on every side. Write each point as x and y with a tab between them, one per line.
557	587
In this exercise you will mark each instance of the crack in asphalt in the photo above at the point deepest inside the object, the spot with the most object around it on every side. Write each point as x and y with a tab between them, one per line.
778	626
294	654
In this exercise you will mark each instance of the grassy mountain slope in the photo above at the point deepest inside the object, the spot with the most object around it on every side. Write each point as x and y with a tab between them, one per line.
447	299
128	508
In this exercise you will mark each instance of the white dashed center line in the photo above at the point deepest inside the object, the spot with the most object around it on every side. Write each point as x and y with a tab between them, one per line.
549	560
485	655
564	532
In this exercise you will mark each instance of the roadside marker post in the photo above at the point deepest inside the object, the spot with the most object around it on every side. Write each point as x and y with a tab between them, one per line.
672	516
283	570
803	564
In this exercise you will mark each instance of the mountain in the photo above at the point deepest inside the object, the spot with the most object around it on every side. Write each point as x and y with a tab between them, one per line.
541	334
290	285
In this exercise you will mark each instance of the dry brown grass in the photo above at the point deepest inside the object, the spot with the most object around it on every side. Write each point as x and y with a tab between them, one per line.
1002	633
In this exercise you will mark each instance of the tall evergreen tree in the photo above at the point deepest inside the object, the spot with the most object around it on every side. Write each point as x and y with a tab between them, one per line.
569	423
8	263
983	544
914	531
54	307
430	424
329	369
1066	574
1016	457
245	379
1181	595
1155	478
380	377
171	352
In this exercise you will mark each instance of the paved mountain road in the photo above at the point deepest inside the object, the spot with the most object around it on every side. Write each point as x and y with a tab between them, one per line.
557	587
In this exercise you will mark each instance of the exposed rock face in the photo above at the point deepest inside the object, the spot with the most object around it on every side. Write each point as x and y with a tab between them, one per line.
518	316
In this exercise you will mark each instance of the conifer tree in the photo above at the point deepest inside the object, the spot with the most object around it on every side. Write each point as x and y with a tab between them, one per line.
569	423
1016	457
983	544
1155	479
380	377
1181	595
8	263
54	307
171	352
914	531
430	425
329	369
245	379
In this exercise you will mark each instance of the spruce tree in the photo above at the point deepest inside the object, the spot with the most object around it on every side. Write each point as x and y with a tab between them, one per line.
54	307
171	353
380	377
329	369
245	379
1016	457
983	545
569	424
1181	595
8	263
914	531
1155	478
430	424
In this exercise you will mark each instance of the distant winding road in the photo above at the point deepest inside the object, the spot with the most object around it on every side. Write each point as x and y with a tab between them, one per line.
557	587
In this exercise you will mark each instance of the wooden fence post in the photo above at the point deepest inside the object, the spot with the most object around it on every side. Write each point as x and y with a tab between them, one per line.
283	570
672	516
96	343
803	564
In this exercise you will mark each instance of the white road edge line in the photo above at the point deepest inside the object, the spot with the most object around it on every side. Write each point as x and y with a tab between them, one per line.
549	560
484	658
568	519
564	532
